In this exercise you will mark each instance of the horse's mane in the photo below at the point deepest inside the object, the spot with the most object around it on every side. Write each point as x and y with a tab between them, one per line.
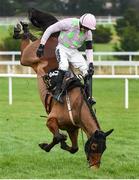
40	19
91	109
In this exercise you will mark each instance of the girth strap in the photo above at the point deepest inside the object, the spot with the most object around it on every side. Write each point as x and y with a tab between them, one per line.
48	102
69	109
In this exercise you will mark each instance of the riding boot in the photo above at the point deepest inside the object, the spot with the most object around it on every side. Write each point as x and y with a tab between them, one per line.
90	99
58	93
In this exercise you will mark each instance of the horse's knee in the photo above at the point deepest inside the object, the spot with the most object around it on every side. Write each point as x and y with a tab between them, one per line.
51	122
52	125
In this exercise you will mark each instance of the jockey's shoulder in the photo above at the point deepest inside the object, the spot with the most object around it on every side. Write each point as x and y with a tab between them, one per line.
70	21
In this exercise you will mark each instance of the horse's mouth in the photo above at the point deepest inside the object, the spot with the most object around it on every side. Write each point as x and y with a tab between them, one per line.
94	165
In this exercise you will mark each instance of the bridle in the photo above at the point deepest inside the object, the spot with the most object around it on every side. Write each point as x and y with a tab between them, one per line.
100	148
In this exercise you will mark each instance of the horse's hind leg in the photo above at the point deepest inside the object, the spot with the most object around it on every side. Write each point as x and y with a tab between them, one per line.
53	127
17	31
28	49
26	32
74	139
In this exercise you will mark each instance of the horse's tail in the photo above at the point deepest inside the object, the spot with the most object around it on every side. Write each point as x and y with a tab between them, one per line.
40	19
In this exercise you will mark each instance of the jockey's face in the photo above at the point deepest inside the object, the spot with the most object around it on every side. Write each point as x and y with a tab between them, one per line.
83	28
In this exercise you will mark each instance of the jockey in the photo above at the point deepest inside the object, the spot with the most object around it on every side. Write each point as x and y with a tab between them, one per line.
73	33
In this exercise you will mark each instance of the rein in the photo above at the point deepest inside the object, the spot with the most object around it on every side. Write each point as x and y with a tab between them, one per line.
90	108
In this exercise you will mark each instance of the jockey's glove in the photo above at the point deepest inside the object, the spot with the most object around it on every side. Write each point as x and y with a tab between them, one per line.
40	51
91	69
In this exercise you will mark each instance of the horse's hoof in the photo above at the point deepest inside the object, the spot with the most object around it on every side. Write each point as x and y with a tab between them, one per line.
18	28
60	137
24	25
64	145
73	150
44	146
64	137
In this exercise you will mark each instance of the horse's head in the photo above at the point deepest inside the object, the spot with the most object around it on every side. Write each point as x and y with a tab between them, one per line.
95	146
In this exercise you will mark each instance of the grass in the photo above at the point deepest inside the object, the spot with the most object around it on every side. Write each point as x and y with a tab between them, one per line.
21	129
3	32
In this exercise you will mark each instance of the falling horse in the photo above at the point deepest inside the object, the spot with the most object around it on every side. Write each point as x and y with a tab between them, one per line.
75	112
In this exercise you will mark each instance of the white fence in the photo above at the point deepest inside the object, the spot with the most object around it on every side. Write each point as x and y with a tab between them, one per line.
11	56
6	21
125	77
99	55
11	63
109	54
135	64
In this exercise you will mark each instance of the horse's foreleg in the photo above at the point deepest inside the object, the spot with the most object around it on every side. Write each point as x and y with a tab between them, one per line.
53	127
74	139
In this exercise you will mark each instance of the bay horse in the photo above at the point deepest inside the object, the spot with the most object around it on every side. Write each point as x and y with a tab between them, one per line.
60	116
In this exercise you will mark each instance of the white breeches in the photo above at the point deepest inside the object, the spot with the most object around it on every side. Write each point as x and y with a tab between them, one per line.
65	55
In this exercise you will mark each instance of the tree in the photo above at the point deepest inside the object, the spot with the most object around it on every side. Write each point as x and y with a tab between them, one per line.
7	8
102	34
130	39
68	7
128	30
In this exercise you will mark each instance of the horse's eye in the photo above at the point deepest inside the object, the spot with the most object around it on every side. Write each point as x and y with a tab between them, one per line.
94	146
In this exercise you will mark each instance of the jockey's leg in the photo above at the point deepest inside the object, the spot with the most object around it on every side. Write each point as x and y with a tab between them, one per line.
62	59
58	90
87	83
79	61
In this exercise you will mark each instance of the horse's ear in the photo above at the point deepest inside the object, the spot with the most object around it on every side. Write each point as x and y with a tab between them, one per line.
108	132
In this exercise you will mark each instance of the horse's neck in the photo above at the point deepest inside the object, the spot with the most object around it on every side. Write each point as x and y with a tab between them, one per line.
83	116
88	120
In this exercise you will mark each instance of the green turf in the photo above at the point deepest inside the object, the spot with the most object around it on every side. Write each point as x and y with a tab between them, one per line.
3	32
21	129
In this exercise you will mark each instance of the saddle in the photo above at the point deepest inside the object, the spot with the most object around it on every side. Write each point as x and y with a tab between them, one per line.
69	82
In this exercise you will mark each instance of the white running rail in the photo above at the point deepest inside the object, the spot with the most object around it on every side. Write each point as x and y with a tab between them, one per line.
99	54
135	64
125	77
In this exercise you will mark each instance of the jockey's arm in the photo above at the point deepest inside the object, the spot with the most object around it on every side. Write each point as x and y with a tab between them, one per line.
89	51
59	26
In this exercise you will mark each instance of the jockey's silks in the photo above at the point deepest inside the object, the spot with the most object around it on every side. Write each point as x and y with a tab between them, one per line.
74	37
70	36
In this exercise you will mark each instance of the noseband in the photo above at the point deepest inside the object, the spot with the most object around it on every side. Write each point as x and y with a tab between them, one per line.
95	144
